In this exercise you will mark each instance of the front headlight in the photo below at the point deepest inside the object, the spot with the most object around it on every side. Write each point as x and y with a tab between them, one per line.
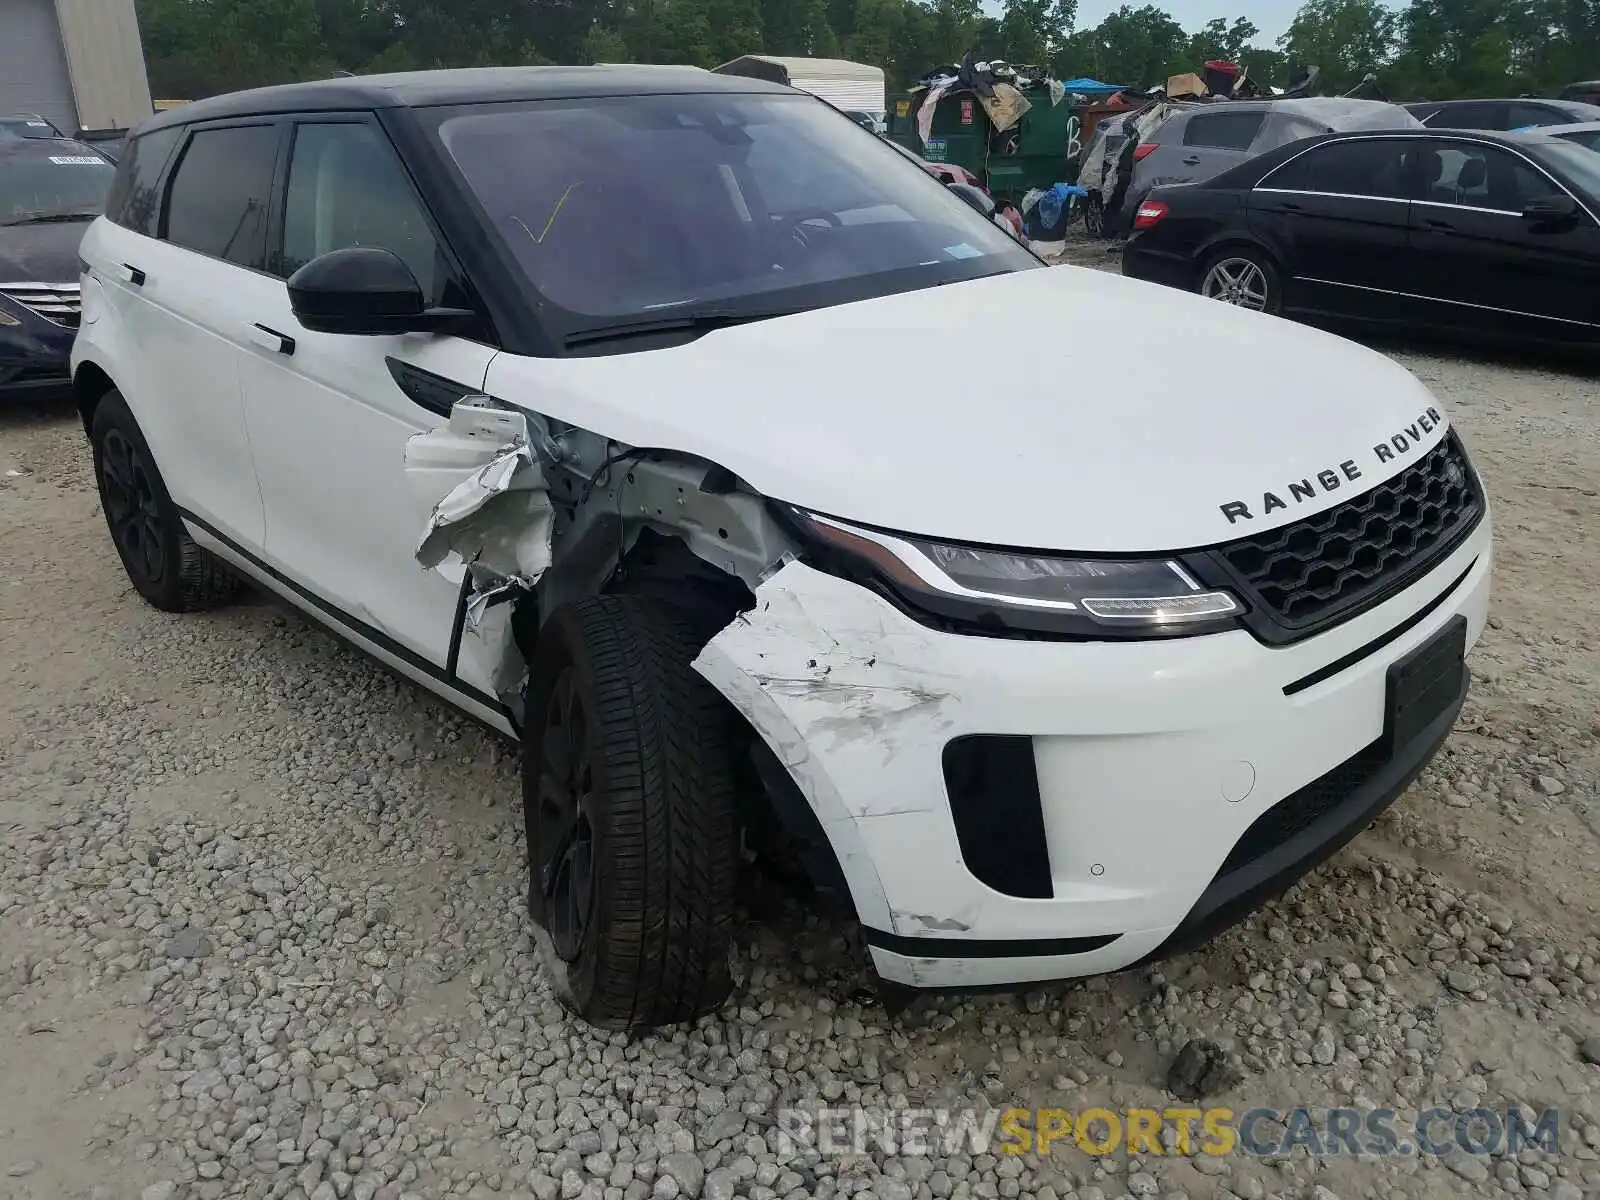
6	317
1081	596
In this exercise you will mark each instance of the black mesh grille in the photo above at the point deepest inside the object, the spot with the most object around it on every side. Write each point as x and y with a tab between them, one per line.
1303	808
1312	570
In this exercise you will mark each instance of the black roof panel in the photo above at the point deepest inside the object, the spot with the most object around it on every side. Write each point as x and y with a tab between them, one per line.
473	85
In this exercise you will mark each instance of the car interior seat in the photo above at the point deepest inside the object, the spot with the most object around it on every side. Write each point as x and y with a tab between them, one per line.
1470	180
1438	190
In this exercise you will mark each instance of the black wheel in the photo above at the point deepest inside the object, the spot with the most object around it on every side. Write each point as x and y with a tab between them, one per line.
628	804
1094	217
1242	276
163	562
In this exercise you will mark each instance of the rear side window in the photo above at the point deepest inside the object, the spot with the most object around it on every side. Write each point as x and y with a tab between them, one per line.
135	201
217	202
1379	167
1223	130
1469	116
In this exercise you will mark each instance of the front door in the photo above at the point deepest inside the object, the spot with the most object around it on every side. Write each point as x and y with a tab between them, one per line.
1483	266
329	414
1336	216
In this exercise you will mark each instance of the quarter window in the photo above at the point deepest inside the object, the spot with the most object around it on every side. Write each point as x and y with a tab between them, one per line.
1369	167
135	200
1223	131
217	204
348	188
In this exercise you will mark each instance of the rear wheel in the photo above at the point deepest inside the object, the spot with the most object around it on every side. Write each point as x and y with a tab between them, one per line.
1242	277
628	804
164	564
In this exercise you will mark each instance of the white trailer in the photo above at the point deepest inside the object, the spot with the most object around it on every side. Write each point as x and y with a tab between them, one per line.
849	86
77	63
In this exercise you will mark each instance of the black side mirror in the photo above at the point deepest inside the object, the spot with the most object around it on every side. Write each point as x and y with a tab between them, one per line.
1551	210
975	196
365	290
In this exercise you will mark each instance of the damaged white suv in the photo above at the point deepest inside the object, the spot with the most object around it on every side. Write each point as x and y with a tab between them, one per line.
779	502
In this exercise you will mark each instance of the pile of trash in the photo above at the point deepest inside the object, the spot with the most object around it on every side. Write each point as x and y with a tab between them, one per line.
995	84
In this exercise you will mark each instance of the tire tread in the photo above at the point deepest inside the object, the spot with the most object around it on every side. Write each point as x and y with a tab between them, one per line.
668	830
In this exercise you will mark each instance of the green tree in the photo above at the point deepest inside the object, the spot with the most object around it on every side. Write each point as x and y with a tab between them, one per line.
1134	46
1346	39
1218	39
197	48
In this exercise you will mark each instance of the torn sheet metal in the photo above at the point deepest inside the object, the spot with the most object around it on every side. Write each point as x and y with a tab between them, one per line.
496	514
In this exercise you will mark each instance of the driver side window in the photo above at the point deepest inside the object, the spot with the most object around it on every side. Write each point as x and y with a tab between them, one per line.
346	188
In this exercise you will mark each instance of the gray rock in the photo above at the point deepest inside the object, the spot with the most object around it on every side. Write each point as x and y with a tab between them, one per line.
1589	1050
1470	1167
1461	980
686	1170
165	1190
1201	1069
189	942
1551	786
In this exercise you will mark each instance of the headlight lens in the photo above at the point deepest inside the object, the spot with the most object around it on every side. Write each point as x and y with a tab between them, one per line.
6	317
1092	597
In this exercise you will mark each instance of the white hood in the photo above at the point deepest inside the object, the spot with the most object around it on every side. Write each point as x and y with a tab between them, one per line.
1062	409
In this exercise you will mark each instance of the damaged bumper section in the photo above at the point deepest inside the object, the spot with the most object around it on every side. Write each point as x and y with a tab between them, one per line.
1010	810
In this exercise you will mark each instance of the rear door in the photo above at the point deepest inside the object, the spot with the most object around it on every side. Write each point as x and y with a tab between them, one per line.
1212	142
1481	266
183	297
1337	216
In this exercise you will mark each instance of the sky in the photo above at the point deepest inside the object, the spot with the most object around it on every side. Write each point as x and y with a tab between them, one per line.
1272	17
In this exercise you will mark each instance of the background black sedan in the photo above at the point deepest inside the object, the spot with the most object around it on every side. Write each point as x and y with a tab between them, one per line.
1493	235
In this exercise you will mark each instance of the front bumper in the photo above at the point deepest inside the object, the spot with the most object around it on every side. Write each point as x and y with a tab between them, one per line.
34	357
1179	783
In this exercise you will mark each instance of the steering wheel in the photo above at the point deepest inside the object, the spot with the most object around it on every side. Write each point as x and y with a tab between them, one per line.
791	230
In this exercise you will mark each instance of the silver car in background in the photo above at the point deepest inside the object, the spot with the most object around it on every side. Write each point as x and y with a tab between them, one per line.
1585	133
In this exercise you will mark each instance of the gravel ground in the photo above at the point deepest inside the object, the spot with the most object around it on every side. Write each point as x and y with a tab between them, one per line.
261	930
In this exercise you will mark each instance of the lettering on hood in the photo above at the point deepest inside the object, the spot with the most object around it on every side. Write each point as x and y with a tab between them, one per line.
1401	443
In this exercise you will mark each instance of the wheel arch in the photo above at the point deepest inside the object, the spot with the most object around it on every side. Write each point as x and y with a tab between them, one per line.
1234	239
90	385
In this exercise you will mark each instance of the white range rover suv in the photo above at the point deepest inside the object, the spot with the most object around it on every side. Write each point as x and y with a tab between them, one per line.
662	420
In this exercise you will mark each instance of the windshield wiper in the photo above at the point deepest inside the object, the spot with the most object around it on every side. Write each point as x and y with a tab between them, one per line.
701	322
44	218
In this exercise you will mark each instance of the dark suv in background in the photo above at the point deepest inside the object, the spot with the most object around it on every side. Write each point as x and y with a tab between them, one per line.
1501	114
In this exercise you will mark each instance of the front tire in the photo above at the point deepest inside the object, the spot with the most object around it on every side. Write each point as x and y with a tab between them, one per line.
1243	277
628	805
162	561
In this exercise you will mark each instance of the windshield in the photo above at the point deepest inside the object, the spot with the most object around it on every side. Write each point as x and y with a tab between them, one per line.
51	181
639	208
1580	165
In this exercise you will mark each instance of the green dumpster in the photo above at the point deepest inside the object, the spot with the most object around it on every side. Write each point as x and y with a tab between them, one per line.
1033	154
